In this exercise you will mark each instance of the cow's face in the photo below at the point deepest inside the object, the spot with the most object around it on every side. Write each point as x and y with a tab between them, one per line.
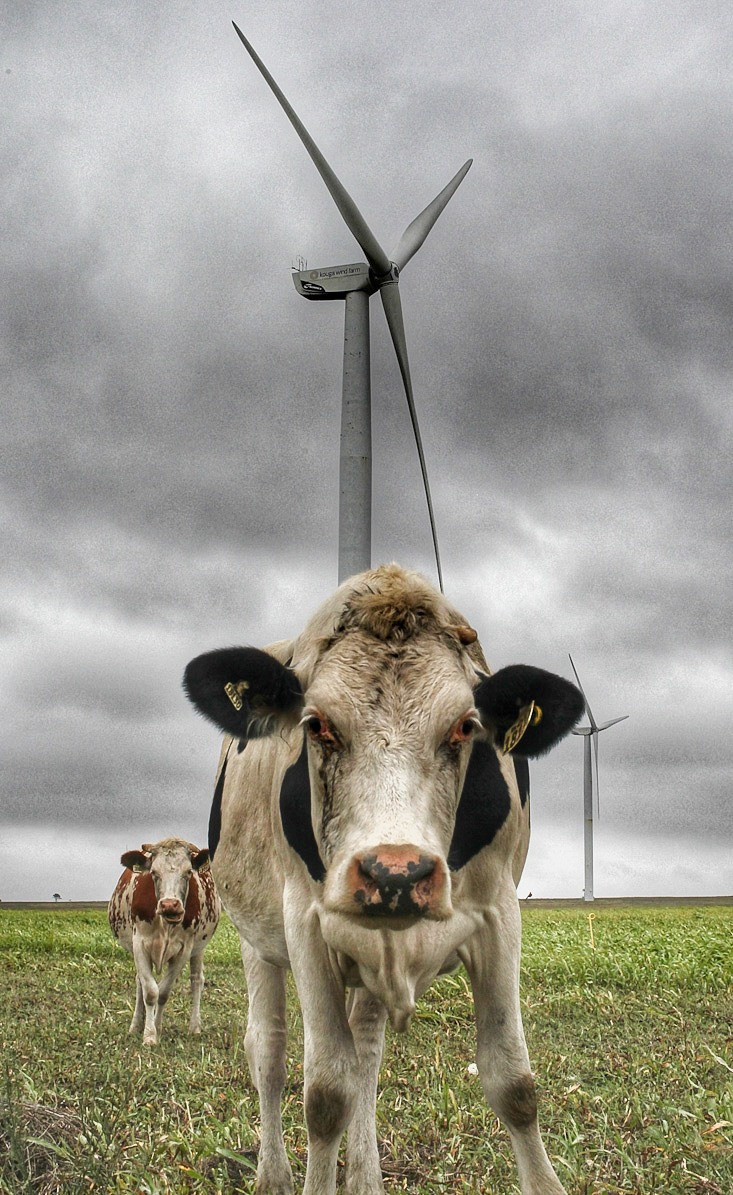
389	728
171	863
391	724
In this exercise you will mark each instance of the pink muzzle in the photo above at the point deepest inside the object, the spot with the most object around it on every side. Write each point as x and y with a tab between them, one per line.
396	882
170	909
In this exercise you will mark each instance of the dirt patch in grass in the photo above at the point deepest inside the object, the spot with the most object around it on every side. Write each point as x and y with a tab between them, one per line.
38	1143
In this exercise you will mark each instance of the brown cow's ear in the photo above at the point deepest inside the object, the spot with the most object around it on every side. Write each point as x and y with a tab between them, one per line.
137	860
200	861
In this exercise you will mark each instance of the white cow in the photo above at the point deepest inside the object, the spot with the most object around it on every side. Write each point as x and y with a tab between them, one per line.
367	830
164	911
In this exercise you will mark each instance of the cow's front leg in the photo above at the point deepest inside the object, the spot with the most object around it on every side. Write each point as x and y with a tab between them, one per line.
166	986
264	1044
492	958
138	1016
331	1063
367	1017
149	990
196	968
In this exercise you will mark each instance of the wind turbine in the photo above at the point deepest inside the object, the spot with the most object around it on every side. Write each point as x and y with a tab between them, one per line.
355	284
590	732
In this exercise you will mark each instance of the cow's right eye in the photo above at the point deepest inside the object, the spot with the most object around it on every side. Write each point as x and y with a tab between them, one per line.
319	730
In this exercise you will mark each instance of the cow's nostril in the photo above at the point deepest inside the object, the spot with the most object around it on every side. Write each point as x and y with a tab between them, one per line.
424	867
371	869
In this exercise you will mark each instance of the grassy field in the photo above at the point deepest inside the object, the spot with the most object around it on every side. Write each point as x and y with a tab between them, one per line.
630	1035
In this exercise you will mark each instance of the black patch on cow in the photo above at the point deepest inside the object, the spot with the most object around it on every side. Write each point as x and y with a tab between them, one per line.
295	814
483	808
517	1103
215	814
521	770
326	1112
262	686
500	697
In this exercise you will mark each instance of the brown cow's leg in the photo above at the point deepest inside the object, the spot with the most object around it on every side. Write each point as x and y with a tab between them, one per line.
367	1018
138	1016
149	989
196	970
492	960
166	985
265	1043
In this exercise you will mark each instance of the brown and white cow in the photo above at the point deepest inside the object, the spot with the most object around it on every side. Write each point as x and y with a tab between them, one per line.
369	823
164	911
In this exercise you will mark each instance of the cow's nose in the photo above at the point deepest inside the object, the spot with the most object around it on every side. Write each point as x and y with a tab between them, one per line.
398	881
170	908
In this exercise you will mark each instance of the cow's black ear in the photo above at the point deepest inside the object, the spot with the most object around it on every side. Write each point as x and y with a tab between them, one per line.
244	691
527	709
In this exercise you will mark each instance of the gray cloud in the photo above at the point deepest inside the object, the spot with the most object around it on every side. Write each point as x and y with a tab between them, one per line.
170	448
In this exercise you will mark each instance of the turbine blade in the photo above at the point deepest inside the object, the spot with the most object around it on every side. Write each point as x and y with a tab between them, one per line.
353	218
605	725
415	233
392	304
598	789
591	719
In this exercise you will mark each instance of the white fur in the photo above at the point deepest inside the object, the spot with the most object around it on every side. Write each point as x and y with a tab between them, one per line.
393	787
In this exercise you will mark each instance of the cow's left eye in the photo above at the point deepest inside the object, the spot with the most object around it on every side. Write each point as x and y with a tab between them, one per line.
463	730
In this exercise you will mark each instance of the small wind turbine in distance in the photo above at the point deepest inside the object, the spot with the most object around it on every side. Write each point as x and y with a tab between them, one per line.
355	284
590	732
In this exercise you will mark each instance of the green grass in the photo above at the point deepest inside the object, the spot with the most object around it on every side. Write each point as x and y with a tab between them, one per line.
630	1039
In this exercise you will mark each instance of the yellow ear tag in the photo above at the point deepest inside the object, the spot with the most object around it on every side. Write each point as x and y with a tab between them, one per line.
528	715
234	693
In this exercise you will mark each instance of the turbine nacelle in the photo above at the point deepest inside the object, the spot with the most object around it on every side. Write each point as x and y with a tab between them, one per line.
333	282
336	282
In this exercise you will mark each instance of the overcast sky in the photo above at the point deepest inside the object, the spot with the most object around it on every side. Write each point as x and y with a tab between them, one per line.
171	405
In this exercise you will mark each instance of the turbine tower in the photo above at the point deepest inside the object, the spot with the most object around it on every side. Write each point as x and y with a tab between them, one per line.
355	284
590	732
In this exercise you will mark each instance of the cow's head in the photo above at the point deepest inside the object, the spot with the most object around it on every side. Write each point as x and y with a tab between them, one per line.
170	862
395	713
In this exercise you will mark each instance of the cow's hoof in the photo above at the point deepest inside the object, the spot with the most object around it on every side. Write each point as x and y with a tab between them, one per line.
365	1181
274	1178
266	1186
237	1172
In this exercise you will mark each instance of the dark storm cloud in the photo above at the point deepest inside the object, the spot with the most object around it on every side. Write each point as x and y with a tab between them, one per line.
142	374
170	435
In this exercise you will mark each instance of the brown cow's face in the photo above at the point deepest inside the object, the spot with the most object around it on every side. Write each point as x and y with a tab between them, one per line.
171	863
171	870
389	727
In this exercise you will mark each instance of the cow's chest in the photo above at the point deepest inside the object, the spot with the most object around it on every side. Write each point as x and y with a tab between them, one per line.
166	946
